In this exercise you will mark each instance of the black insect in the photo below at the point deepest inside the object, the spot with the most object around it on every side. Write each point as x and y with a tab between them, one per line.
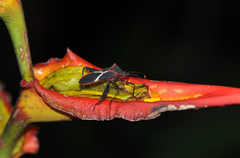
110	75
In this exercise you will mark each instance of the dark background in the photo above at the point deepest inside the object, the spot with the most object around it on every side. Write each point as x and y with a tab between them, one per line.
187	41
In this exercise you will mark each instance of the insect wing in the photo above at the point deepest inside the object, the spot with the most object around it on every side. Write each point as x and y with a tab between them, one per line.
90	78
101	75
116	68
106	75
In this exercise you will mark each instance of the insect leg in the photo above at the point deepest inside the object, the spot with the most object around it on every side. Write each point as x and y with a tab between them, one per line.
143	85
133	87
103	95
127	80
80	88
149	93
118	89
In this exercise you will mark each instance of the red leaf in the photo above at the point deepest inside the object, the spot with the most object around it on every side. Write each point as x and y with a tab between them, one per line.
165	96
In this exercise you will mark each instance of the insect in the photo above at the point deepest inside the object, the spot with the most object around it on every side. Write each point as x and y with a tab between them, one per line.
110	75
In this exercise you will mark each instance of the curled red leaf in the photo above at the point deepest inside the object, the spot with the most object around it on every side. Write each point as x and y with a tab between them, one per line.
165	96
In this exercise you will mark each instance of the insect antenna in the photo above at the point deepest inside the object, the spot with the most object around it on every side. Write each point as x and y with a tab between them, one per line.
138	77
136	72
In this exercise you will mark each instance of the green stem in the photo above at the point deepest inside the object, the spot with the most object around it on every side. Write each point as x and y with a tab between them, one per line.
12	14
10	135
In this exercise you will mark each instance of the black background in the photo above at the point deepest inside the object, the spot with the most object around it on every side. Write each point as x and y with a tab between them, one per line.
187	41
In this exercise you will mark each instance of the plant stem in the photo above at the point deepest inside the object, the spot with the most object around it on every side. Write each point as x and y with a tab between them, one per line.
29	108
10	135
12	14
